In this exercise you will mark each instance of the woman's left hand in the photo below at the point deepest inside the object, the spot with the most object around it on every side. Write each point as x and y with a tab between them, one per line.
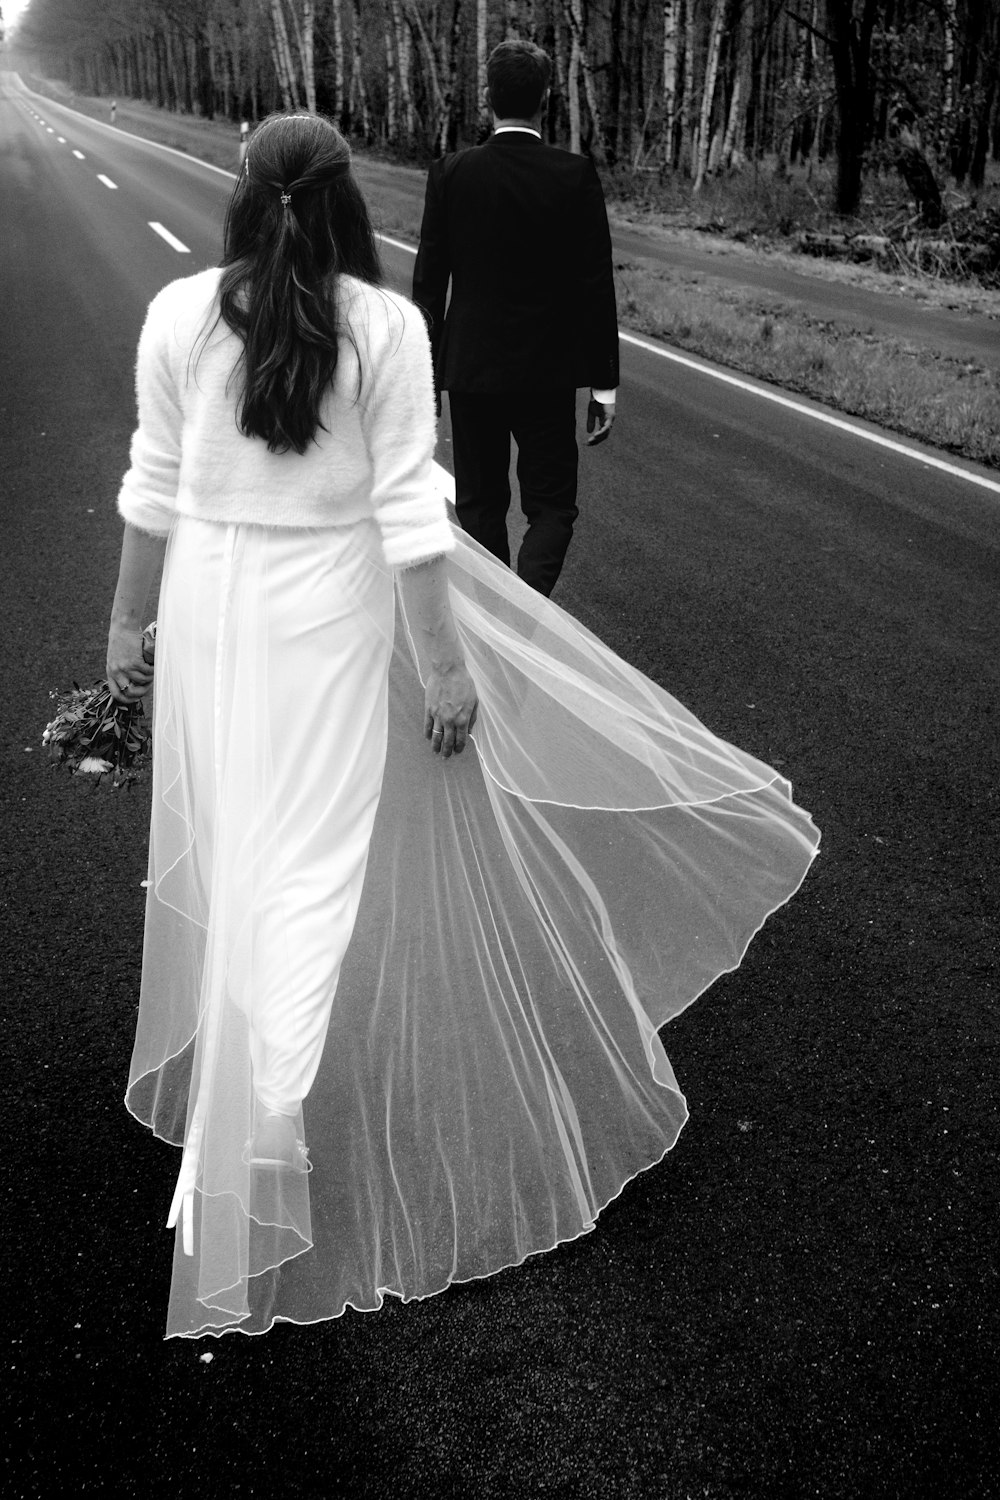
450	709
129	673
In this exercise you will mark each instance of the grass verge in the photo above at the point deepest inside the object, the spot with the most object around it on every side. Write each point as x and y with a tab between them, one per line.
949	403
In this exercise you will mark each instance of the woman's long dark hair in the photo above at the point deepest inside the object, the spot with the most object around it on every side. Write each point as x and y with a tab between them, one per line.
296	220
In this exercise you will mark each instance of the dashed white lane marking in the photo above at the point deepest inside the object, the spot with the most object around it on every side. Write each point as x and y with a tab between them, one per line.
79	155
107	181
119	132
61	139
171	239
840	423
50	130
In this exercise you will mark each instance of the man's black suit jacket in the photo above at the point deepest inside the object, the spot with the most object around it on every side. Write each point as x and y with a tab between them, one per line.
521	230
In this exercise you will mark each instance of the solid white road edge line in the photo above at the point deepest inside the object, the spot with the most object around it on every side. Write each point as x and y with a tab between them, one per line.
171	239
842	425
107	181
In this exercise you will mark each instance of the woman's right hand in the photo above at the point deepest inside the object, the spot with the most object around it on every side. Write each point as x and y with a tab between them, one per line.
450	709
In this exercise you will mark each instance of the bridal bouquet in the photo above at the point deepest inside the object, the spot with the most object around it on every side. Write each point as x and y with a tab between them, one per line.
92	732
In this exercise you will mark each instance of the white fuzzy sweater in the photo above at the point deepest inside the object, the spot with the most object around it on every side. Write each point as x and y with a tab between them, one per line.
188	456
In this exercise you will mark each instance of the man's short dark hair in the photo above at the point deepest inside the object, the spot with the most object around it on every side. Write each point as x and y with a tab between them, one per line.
518	74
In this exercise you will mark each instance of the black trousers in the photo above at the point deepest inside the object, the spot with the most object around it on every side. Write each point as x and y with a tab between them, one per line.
543	425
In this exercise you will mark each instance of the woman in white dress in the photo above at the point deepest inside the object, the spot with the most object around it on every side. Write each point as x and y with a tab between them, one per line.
399	1010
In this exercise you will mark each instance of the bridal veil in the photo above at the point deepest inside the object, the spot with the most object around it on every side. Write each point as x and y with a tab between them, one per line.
530	915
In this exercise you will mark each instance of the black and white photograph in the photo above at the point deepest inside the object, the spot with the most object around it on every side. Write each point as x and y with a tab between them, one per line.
501	582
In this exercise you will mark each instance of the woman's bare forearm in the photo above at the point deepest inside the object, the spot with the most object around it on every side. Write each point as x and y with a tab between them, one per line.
424	588
141	556
128	671
450	702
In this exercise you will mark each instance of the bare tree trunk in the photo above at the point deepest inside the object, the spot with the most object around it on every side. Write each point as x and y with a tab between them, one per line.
573	93
481	107
359	94
298	59
169	72
687	115
280	75
708	93
337	20
735	122
187	95
733	140
451	74
404	59
308	53
671	9
851	54
637	116
391	82
763	84
287	71
573	10
948	72
430	64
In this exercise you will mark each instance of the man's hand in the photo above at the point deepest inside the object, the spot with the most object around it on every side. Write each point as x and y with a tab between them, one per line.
600	420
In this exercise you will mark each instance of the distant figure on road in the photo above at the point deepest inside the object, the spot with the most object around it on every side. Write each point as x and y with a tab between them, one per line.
398	1010
521	232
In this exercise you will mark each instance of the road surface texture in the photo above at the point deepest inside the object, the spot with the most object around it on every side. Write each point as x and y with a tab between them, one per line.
801	1300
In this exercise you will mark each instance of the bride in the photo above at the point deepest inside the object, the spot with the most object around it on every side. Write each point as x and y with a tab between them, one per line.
399	1010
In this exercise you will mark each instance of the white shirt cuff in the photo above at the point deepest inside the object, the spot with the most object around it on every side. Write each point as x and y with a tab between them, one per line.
606	398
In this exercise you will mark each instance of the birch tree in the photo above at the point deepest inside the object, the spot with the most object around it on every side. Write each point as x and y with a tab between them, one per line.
357	105
308	54
708	93
404	59
284	65
573	92
573	11
481	61
337	39
671	58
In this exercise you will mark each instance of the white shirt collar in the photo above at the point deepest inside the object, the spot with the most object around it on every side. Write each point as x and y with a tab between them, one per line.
521	129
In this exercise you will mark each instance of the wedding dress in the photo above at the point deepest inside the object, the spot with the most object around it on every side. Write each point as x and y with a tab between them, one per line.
450	974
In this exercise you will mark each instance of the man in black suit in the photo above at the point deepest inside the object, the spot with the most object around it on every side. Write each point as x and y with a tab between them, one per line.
520	230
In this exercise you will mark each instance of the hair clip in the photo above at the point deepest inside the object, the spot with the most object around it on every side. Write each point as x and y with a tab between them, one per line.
286	198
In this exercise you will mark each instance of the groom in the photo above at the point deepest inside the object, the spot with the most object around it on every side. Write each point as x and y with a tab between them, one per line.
520	230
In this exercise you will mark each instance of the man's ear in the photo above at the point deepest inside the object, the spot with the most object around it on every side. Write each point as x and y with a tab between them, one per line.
487	101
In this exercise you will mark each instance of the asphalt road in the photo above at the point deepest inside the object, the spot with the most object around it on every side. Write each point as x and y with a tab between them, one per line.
802	1299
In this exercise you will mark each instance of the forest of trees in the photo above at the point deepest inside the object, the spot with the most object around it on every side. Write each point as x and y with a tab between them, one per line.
689	86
